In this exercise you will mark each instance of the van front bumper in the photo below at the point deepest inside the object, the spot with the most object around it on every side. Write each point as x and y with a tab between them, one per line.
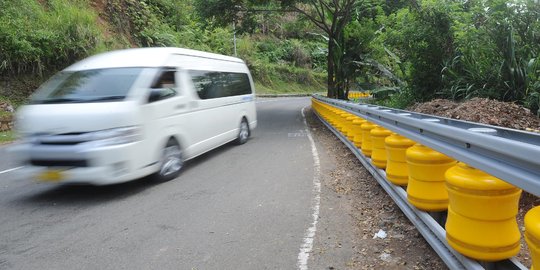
81	163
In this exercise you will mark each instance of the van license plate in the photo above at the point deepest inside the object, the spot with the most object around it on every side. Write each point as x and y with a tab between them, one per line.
51	176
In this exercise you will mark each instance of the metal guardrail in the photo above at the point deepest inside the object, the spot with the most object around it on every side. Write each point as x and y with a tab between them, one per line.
425	129
511	155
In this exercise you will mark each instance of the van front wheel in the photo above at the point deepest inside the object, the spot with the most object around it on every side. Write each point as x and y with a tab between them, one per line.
171	162
243	133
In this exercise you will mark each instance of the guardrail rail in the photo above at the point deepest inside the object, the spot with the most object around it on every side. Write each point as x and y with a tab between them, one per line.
510	155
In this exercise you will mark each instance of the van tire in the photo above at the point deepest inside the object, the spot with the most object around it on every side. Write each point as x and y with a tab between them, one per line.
243	132
170	163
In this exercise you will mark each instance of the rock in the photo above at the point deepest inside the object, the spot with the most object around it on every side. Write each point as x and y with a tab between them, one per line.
380	234
385	257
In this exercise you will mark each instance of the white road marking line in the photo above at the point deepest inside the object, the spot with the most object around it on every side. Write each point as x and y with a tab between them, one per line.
10	170
307	245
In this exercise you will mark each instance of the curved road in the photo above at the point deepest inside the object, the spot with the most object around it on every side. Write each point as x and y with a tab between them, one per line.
237	207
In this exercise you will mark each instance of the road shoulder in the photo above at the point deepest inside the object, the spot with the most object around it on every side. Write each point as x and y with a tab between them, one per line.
353	209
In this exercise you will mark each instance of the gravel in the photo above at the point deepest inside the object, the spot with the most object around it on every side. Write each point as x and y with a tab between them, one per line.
368	210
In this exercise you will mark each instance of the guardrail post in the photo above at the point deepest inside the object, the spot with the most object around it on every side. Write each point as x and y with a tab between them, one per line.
426	188
378	155
482	211
397	171
532	235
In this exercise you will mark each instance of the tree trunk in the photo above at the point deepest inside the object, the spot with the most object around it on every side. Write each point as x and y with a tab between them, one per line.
330	67
337	64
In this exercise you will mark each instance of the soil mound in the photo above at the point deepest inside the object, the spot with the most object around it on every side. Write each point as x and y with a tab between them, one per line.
482	110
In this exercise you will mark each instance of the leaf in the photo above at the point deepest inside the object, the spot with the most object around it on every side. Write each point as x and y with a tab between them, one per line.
396	59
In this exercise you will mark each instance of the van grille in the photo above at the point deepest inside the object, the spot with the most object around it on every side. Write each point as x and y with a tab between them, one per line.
63	139
59	163
60	142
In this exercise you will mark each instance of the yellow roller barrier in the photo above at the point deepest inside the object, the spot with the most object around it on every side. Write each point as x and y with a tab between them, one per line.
426	189
345	123
481	221
366	138
378	154
532	235
340	120
350	127
397	171
357	125
334	117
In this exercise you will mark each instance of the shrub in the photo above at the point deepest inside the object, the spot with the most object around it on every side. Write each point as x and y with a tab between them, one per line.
34	37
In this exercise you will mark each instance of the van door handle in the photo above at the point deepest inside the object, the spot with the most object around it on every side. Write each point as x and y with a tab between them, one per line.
180	106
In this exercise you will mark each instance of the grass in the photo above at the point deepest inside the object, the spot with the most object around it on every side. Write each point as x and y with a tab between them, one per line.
7	137
5	114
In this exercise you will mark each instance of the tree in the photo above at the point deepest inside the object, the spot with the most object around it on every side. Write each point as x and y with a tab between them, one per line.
422	36
226	12
223	12
331	16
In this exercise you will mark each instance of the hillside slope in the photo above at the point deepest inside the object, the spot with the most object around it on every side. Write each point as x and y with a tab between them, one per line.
40	37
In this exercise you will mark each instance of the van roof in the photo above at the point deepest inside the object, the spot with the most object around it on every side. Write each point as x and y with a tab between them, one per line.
142	57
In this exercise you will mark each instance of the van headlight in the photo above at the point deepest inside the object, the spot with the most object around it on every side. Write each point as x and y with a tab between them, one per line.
115	136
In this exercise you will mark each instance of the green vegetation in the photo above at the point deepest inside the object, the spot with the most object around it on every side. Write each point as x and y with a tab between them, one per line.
411	50
4	114
35	37
7	136
38	38
459	50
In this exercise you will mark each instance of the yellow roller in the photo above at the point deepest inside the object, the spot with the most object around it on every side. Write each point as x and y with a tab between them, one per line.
481	221
366	138
378	154
426	189
397	171
532	235
357	126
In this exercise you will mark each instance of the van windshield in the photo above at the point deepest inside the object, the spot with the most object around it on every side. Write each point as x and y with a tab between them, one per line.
96	85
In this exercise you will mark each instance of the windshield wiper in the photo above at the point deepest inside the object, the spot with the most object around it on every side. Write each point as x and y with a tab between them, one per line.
76	100
107	98
56	100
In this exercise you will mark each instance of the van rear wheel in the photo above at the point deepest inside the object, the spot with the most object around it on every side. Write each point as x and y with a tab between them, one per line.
243	133
171	162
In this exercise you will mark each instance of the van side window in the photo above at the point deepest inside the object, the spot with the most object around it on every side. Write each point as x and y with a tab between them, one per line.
164	86
216	84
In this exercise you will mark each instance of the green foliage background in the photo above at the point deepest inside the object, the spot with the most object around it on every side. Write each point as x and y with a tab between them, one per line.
404	51
40	37
459	50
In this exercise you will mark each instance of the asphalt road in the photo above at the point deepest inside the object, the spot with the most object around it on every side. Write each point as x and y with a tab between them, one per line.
237	207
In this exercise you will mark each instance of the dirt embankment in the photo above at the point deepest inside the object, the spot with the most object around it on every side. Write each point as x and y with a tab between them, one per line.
482	110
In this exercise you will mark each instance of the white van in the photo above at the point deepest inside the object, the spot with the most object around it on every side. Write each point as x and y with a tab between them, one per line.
126	114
